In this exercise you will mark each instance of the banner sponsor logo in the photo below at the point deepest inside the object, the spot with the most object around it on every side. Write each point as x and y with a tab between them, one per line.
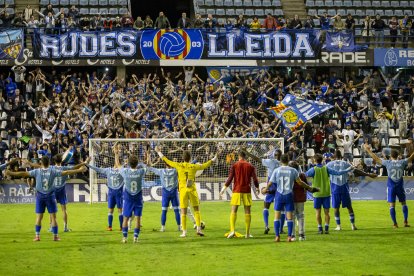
394	57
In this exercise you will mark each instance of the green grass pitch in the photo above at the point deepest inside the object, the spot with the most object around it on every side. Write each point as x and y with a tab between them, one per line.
375	249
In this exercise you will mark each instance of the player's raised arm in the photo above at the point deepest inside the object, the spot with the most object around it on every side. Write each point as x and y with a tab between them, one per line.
306	186
170	163
72	172
411	158
373	155
17	174
116	150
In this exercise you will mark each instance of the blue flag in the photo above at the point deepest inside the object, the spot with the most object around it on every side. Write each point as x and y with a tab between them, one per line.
295	112
340	42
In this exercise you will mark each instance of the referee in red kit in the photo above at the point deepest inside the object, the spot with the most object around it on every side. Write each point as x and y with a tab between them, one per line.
243	173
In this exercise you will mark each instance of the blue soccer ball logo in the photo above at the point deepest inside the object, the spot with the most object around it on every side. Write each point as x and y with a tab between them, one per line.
172	44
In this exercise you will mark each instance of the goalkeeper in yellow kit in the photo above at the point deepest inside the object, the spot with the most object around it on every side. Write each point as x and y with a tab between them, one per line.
186	186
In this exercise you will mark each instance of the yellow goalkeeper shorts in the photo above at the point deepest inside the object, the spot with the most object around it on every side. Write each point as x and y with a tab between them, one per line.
236	199
188	194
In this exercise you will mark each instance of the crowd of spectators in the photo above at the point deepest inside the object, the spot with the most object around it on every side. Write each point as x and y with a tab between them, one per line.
48	112
52	21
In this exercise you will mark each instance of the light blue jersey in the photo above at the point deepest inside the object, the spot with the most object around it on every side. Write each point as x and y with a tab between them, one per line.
168	177
271	165
338	182
60	181
114	179
284	177
133	179
395	169
45	179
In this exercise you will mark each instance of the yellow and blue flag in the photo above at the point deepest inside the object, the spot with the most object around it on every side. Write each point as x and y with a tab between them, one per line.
294	112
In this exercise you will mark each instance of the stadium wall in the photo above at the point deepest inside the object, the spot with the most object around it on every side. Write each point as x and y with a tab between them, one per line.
78	191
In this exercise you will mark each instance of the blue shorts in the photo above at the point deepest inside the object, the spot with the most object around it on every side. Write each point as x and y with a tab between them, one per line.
341	198
269	198
114	198
44	201
324	202
61	196
168	196
394	192
284	202
133	204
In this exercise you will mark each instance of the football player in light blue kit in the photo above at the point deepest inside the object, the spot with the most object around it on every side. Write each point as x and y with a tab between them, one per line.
271	164
132	194
284	178
395	183
60	184
169	183
45	196
115	182
340	189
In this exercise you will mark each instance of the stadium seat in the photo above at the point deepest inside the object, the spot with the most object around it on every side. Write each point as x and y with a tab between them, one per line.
398	13
310	152
394	141
267	11
56	10
65	10
370	12
230	12
64	2
385	4
239	11
316	22
247	3
395	4
123	2
357	3
355	152
338	3
219	3
350	11
103	11
347	3
257	3
312	12
389	13
221	20
209	2
376	4
360	13
93	11
123	11
331	12
319	3
341	12
276	3
52	2
103	2
83	2
74	2
228	3
310	3
329	3
249	12
238	3
267	3
220	12
9	2
278	12
200	2
321	11
211	11
113	11
93	2
380	12
42	2
202	11
404	4
259	12
83	10
366	4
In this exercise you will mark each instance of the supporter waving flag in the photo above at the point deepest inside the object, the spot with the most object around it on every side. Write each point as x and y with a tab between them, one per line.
295	112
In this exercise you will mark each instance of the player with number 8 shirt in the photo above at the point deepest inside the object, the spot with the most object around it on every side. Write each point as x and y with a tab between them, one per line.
395	183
